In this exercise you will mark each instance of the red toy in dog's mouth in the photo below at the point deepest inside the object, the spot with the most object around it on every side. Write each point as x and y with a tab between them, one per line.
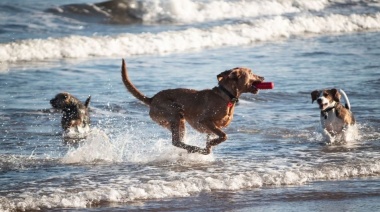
264	85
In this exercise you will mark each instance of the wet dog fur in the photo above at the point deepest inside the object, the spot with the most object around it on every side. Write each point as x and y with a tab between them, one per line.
334	117
75	114
207	111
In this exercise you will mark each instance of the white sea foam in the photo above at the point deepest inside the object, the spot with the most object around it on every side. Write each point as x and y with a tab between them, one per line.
134	147
96	147
349	136
124	189
262	30
188	11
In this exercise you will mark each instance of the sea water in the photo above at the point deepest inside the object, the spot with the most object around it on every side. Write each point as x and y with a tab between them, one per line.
275	157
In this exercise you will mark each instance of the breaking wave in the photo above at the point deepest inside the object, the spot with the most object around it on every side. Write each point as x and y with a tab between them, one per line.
184	11
262	30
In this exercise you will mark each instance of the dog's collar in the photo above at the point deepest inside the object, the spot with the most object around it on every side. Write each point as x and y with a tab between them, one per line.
325	112
233	99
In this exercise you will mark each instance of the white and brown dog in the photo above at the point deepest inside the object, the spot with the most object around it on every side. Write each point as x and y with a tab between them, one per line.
335	118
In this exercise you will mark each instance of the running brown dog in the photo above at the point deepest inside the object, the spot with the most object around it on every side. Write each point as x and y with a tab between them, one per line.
207	111
75	118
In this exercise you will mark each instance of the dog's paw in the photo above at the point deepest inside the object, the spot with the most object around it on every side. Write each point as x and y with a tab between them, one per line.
192	149
205	151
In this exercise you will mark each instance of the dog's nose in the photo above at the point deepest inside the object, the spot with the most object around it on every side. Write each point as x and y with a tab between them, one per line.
319	101
52	102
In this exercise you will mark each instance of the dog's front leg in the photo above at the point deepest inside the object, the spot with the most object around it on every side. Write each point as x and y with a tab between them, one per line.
209	137
330	138
221	138
217	131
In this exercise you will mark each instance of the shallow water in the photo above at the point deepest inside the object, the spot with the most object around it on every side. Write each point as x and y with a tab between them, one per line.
275	156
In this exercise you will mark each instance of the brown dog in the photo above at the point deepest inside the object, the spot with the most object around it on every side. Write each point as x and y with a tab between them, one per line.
207	111
75	118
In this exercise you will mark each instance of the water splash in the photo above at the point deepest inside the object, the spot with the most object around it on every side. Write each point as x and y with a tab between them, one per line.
96	147
132	147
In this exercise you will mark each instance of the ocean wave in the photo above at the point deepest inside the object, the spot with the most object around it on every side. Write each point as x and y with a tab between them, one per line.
124	189
262	30
184	11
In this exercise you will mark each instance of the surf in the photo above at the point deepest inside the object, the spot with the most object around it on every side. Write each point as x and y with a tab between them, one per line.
191	39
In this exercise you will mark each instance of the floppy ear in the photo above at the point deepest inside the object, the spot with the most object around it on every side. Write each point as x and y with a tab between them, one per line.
223	75
314	95
65	97
235	73
335	94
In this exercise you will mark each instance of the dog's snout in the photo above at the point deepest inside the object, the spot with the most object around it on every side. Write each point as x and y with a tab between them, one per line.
258	78
53	102
319	101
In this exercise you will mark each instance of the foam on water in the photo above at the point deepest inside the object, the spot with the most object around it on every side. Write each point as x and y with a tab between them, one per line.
133	147
349	136
188	11
96	147
124	189
130	147
186	40
184	11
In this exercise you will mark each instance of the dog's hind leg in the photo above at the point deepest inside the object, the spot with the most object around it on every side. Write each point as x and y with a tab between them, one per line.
178	129
178	133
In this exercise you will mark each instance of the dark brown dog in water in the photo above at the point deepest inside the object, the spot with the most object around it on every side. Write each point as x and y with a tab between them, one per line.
207	111
75	118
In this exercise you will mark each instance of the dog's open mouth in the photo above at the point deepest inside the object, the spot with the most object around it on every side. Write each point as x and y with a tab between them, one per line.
254	89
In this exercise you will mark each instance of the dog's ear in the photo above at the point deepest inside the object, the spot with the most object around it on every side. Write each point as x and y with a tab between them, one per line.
235	73
223	75
230	74
314	95
335	94
65	95
87	101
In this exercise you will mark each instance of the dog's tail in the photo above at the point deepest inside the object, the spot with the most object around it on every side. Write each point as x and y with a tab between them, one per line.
347	102
131	88
87	102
